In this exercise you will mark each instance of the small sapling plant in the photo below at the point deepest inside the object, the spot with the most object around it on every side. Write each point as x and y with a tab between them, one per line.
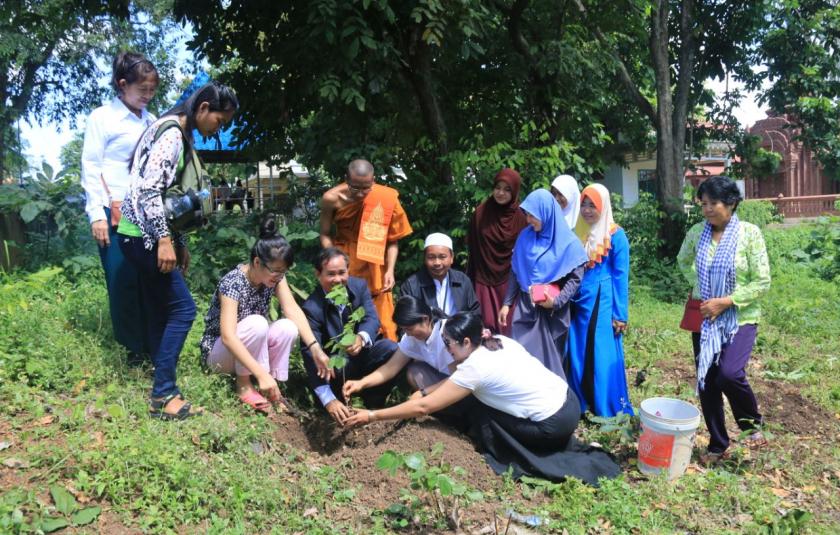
624	425
70	514
435	482
338	345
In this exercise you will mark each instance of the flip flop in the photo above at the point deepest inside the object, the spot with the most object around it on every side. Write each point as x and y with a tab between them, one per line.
755	440
712	457
157	406
256	401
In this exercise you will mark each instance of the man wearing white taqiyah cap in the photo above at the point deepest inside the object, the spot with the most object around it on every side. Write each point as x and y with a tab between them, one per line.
437	283
438	238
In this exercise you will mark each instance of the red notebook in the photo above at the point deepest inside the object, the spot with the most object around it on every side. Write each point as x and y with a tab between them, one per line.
539	291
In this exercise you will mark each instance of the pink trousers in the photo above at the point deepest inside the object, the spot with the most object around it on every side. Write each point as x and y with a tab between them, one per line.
270	346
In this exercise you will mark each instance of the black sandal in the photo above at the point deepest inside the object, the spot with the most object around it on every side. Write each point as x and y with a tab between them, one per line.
157	406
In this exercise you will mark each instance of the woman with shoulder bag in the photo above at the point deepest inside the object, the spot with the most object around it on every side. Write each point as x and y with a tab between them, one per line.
150	230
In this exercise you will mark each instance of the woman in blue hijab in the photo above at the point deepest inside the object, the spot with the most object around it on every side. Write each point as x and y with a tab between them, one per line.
547	267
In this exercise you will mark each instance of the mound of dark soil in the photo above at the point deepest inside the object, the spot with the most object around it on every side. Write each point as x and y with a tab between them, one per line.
376	489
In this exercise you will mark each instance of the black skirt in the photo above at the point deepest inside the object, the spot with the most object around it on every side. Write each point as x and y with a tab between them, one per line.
545	449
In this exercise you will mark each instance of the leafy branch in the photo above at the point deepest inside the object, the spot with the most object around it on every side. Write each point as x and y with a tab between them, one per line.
339	343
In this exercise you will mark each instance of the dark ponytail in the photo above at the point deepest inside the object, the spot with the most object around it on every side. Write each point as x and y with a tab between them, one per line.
271	245
469	325
410	310
219	97
131	67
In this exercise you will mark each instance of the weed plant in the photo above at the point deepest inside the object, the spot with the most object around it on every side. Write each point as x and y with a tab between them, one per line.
76	415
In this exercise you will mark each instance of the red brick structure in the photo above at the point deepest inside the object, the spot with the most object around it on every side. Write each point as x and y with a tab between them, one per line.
799	173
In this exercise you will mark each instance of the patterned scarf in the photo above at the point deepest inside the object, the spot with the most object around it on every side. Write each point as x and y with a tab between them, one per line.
597	238
717	279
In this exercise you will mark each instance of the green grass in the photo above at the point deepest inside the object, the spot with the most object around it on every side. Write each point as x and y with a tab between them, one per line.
77	415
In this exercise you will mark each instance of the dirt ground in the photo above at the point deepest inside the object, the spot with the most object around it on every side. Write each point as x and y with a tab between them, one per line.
323	443
786	411
330	445
781	404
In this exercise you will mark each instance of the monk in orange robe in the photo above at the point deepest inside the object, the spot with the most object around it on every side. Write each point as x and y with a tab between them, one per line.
368	220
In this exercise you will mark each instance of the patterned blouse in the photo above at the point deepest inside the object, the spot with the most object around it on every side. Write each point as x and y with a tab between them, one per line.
153	171
752	268
250	299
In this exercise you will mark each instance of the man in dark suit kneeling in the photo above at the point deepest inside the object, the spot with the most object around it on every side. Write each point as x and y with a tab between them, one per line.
327	320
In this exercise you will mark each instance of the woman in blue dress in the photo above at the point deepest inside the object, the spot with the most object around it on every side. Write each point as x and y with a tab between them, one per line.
599	314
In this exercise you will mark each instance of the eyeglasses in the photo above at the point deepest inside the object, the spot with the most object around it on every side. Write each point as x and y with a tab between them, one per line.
281	272
447	342
359	189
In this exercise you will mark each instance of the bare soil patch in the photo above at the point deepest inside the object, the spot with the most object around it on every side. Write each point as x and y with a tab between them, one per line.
782	404
376	489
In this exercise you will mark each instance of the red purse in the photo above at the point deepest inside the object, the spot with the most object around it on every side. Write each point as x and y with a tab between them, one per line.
692	319
539	291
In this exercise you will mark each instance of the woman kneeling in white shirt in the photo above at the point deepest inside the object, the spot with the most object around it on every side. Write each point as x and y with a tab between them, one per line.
423	355
526	414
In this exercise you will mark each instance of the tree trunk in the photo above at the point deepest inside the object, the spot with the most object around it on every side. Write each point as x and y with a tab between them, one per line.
418	71
19	102
670	128
540	95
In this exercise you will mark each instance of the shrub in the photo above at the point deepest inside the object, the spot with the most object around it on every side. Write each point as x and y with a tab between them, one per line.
226	242
759	213
822	251
52	207
642	223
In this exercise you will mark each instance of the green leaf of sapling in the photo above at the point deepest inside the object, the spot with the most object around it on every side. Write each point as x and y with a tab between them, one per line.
415	461
85	516
64	501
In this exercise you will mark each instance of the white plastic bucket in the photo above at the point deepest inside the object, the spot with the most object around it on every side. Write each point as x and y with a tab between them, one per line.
668	430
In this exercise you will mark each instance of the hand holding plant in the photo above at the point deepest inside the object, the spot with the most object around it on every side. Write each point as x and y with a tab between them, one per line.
351	387
347	340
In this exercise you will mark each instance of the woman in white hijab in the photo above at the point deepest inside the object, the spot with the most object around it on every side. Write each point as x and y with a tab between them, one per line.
565	191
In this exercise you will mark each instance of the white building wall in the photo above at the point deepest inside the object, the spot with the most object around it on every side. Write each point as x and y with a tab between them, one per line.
614	179
624	180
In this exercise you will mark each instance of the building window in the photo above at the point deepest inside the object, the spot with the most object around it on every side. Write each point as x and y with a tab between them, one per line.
647	181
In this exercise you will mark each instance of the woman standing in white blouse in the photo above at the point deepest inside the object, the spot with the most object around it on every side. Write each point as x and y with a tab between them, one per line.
111	133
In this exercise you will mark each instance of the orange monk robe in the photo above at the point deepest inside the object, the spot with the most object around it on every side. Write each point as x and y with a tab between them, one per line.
348	221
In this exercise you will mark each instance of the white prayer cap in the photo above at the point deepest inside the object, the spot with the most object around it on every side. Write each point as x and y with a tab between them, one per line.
436	238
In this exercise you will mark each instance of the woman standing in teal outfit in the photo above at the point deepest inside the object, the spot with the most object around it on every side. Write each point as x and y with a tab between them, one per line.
111	133
599	314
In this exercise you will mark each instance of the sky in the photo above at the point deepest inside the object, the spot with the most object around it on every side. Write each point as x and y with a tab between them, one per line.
45	141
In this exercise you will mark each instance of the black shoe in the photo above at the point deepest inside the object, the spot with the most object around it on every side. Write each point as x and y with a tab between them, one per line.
135	359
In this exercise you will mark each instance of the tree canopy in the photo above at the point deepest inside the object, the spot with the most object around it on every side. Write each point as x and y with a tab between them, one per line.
801	58
413	82
449	89
53	54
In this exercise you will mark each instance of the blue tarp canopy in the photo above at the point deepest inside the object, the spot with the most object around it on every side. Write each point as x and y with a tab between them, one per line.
219	148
